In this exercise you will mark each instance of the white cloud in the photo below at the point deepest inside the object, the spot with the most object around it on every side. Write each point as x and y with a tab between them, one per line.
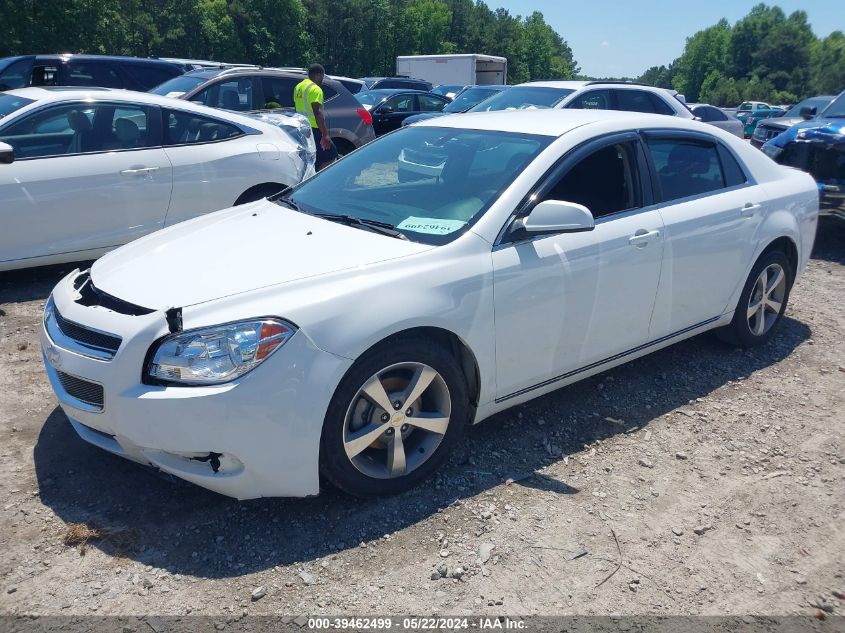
605	43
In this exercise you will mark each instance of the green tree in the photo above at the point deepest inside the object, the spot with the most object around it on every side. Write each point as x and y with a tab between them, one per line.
704	52
828	64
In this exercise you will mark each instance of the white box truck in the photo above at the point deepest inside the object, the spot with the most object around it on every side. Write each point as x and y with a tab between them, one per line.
462	69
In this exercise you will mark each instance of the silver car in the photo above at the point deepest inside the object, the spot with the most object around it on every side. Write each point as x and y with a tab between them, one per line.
256	89
717	117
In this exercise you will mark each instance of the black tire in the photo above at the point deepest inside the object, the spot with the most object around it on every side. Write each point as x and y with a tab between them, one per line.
739	331
338	468
257	193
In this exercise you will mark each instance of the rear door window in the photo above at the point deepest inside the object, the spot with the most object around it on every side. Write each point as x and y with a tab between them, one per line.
148	75
591	100
278	92
430	103
633	101
187	128
401	103
99	74
686	167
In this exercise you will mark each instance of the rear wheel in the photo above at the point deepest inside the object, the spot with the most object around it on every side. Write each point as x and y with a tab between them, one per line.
393	419
762	302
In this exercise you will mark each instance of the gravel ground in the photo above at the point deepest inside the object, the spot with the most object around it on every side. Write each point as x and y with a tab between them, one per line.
710	481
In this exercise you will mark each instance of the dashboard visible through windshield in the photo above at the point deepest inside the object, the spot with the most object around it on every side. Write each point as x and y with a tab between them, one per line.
428	183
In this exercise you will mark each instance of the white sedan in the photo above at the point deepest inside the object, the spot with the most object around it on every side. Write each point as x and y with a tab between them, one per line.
354	326
85	170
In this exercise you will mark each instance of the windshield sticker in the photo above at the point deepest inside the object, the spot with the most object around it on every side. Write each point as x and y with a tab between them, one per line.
433	226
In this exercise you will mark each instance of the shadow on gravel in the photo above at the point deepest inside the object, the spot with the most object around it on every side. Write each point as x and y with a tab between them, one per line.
187	530
32	284
830	240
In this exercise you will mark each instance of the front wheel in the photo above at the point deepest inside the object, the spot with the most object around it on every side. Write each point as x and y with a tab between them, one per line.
393	419
762	302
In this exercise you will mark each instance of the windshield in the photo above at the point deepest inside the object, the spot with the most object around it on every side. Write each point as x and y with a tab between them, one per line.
469	98
835	110
744	107
813	102
178	86
522	98
10	103
430	183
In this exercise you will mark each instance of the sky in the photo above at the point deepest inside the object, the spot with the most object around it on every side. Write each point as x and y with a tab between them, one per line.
615	38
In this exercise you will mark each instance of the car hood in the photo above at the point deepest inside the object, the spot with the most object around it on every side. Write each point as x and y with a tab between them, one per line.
782	122
238	250
423	117
830	131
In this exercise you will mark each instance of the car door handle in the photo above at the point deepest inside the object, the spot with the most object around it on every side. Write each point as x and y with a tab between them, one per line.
642	237
749	210
139	170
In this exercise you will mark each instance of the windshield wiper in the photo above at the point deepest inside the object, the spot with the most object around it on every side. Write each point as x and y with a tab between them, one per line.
288	202
374	225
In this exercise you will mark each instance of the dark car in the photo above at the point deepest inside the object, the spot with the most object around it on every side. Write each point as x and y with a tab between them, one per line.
807	109
817	146
131	73
390	107
253	89
407	83
467	98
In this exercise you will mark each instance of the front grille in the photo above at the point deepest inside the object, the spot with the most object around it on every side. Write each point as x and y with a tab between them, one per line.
83	390
86	336
765	133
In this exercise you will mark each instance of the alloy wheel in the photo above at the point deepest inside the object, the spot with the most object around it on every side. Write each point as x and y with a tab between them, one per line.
766	299
396	420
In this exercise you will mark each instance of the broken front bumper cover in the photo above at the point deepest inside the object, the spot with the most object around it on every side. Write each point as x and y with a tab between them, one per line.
257	436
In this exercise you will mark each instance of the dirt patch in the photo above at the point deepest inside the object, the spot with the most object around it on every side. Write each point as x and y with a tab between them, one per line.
698	480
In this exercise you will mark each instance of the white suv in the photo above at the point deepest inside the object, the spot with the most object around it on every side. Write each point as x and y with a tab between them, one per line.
588	95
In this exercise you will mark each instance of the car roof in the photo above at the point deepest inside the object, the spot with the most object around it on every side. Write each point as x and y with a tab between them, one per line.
58	94
571	85
111	58
556	122
393	91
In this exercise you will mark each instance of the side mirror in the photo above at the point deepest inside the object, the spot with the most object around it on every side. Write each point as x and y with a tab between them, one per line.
807	112
7	154
385	109
556	216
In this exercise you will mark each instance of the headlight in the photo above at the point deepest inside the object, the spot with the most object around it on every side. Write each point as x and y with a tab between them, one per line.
214	355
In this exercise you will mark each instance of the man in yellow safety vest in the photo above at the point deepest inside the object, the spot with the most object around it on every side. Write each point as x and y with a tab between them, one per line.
308	99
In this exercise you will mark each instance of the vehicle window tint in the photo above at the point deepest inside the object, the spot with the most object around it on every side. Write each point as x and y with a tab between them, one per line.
183	128
234	94
633	101
328	92
686	168
592	100
605	182
80	128
734	175
401	103
93	74
659	105
148	75
716	114
430	104
702	112
278	92
45	75
17	75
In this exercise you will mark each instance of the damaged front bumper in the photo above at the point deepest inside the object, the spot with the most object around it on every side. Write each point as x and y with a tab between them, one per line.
257	436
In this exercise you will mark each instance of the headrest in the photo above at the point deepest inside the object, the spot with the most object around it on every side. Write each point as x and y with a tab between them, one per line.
126	131
78	122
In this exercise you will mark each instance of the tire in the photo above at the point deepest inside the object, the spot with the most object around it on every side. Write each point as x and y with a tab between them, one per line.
746	328
257	193
367	469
